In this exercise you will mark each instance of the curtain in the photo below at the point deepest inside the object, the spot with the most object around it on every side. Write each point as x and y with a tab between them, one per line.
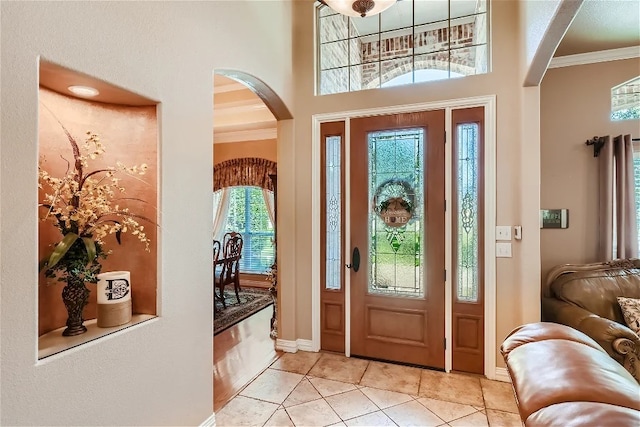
268	201
220	213
617	204
247	171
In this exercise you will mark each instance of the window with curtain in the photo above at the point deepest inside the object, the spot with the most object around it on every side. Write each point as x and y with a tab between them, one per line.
248	214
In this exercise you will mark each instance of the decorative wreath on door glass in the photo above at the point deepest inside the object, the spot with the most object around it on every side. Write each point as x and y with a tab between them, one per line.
394	202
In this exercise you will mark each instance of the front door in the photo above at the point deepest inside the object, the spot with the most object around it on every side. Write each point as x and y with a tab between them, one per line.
398	228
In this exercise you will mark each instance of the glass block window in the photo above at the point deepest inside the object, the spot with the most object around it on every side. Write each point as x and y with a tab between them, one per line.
413	41
248	216
333	265
625	100
467	256
396	238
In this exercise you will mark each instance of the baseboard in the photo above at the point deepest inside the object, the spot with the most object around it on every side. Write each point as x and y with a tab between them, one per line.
305	345
289	346
209	422
502	375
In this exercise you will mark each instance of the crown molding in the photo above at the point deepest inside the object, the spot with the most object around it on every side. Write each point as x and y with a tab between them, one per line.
229	87
245	135
594	57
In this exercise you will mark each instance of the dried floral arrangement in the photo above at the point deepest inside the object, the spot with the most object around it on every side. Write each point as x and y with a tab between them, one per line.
85	206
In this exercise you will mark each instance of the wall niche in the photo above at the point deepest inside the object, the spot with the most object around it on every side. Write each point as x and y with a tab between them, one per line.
127	127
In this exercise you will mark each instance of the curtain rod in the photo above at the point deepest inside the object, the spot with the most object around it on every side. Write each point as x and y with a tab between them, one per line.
598	143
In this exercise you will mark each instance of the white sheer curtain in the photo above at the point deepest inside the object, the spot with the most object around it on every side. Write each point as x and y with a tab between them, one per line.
268	201
220	212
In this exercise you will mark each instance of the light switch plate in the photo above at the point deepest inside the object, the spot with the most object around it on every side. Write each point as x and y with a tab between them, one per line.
503	250
503	232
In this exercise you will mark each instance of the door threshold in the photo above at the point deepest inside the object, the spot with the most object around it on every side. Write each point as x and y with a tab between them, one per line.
393	362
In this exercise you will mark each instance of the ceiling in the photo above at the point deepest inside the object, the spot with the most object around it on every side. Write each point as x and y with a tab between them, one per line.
602	25
240	115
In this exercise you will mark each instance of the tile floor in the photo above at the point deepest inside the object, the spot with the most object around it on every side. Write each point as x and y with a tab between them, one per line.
323	389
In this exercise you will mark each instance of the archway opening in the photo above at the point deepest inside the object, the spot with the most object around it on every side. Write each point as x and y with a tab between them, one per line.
245	156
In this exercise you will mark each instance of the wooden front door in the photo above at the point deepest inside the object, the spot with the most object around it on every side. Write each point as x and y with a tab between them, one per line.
398	227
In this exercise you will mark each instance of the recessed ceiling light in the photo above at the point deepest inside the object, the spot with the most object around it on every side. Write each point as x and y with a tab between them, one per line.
85	91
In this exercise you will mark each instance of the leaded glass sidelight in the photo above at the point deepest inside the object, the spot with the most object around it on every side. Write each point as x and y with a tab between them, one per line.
396	241
332	213
467	262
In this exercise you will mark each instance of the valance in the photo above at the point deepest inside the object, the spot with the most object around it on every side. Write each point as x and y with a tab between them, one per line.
247	171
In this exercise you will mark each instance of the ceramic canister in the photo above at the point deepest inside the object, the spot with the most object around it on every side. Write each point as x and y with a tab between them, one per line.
114	298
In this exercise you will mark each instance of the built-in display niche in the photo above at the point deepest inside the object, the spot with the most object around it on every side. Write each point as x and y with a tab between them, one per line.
98	226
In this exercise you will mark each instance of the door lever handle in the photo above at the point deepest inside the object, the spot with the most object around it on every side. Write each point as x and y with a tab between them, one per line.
355	260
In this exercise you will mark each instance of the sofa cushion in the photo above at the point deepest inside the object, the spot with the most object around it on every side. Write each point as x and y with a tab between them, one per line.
541	331
631	312
562	378
579	414
597	291
554	371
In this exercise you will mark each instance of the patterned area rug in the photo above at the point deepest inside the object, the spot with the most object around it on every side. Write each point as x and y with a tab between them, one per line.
252	300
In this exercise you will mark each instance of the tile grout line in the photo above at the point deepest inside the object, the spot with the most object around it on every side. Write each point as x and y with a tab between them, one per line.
358	386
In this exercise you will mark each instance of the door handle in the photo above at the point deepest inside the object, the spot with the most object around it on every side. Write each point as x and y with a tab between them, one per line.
355	260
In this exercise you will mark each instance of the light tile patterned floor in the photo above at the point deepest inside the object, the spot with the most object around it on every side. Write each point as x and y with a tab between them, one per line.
322	389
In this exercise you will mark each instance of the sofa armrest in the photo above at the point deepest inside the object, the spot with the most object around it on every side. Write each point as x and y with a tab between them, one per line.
630	352
616	339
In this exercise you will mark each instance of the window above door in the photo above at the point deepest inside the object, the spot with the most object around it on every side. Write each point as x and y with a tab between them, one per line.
413	41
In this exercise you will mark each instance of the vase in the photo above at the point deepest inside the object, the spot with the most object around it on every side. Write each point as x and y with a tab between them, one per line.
75	296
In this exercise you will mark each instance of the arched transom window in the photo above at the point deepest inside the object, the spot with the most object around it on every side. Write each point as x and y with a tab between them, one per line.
412	41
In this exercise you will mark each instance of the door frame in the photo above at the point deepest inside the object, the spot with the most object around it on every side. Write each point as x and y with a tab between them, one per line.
489	103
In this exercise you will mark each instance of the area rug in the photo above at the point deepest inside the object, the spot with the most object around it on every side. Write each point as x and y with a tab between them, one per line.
252	300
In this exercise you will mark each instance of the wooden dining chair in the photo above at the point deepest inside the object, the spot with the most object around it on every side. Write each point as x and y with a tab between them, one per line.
217	257
232	253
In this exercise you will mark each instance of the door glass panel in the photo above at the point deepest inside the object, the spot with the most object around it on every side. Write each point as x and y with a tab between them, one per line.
467	215
396	242
332	214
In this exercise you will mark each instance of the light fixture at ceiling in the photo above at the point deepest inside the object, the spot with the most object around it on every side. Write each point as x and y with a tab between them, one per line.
359	7
84	91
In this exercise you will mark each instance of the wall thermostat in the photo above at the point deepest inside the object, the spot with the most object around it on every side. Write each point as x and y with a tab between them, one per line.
554	218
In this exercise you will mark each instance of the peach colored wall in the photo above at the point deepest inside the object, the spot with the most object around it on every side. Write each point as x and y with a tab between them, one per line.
129	135
266	149
575	107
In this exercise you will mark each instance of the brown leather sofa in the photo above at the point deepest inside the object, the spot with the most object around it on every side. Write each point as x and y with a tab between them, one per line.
584	297
561	377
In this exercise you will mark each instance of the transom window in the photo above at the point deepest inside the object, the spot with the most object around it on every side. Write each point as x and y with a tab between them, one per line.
412	41
625	100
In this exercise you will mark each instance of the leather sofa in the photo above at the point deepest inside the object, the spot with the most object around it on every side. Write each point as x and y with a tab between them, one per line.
561	377
584	297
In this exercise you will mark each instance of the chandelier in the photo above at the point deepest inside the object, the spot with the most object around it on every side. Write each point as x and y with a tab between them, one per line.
359	7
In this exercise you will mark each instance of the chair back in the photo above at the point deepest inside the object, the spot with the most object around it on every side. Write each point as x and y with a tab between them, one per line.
232	244
217	249
232	254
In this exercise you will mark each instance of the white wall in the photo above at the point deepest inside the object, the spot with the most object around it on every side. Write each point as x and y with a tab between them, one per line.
159	373
537	14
